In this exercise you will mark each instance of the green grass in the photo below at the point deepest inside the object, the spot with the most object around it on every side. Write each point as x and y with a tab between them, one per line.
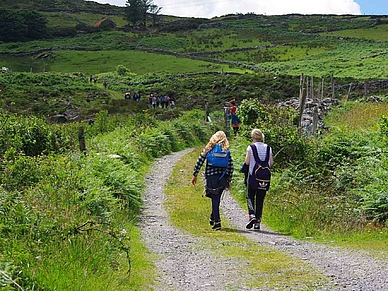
303	54
86	264
95	62
189	210
86	259
278	54
350	60
222	39
24	64
374	33
165	41
70	20
356	116
59	20
371	241
109	40
143	270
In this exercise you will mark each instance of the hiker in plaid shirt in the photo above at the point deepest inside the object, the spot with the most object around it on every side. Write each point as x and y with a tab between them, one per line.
217	179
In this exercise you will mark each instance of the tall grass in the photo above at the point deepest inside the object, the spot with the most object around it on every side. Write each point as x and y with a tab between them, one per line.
356	116
67	221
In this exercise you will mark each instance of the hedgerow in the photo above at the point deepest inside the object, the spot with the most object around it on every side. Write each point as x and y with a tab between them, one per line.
59	206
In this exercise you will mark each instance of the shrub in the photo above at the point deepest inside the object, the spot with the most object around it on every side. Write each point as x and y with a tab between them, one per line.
277	124
121	70
20	171
384	129
32	136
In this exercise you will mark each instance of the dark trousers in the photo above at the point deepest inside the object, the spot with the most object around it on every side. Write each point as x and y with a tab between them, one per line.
255	201
214	188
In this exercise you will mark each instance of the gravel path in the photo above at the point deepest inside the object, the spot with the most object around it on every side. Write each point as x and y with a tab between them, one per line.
184	265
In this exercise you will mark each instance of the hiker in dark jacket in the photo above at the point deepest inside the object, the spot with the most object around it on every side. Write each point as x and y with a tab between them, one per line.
217	179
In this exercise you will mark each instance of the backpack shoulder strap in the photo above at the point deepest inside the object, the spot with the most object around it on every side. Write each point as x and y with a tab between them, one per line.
255	154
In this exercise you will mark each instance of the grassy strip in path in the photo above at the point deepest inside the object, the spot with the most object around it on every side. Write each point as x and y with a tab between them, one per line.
189	210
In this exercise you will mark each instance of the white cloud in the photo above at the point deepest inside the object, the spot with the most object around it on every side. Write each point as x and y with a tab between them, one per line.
211	8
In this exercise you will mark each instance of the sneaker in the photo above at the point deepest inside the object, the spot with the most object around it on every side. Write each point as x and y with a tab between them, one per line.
252	221
211	221
217	226
256	226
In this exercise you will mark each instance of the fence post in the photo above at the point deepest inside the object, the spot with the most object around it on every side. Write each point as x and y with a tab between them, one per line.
226	118
81	138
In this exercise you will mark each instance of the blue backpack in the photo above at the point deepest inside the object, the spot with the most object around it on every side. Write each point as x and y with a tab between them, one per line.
261	176
216	157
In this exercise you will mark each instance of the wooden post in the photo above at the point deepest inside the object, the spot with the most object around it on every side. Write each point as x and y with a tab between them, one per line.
332	85
315	120
307	87
207	118
302	100
350	88
312	88
226	118
319	96
81	138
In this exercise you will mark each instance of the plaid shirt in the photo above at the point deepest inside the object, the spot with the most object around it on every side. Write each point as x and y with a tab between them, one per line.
209	170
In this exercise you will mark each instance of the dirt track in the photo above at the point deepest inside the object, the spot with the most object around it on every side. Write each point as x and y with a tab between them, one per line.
185	266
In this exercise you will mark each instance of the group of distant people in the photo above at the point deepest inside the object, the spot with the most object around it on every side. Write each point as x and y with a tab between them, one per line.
136	96
161	101
92	79
154	100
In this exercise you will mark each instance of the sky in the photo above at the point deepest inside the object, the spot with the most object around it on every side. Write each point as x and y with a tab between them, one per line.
213	8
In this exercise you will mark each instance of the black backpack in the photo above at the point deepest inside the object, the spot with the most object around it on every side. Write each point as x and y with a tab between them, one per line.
261	175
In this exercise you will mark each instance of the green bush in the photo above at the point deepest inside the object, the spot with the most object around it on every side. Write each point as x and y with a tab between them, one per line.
122	70
279	130
384	129
20	171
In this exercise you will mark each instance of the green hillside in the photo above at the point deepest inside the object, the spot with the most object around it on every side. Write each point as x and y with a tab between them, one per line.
249	45
74	152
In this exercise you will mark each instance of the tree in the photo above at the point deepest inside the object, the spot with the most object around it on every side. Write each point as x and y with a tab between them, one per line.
133	11
137	11
22	25
154	11
36	25
12	27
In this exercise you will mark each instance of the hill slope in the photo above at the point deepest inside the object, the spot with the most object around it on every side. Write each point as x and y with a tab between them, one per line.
259	56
